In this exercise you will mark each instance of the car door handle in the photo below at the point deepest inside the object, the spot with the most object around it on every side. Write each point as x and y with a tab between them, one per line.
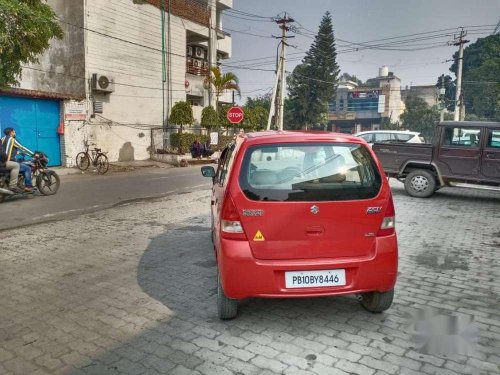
490	156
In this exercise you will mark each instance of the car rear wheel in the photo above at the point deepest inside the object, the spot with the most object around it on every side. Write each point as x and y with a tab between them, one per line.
376	302
227	308
420	183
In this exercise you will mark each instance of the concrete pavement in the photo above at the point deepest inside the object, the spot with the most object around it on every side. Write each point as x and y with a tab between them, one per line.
131	290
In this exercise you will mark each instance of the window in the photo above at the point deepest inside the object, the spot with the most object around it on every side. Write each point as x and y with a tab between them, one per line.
309	172
462	137
384	137
403	137
222	159
494	138
367	137
225	164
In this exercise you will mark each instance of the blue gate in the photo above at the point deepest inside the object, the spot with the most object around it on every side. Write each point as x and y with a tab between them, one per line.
36	122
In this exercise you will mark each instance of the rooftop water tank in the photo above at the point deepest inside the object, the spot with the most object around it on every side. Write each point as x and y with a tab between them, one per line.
383	71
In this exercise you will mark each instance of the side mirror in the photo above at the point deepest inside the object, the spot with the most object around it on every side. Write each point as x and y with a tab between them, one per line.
208	171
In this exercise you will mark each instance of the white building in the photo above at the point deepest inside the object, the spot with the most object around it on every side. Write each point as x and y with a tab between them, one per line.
359	108
113	77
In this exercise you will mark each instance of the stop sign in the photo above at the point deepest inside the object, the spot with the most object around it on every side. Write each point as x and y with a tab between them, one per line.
235	115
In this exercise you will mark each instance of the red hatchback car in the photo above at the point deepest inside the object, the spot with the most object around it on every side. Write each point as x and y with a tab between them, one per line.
302	214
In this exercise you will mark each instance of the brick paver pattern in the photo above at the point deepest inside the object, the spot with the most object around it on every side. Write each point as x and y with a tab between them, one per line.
131	290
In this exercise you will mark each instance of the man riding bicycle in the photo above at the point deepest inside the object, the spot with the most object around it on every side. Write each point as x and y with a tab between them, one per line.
11	147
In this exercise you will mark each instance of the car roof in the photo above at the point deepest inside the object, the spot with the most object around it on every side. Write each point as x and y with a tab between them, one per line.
388	131
478	124
288	136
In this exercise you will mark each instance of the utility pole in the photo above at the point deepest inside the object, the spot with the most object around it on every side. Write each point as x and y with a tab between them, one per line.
163	64
442	99
279	85
497	29
460	42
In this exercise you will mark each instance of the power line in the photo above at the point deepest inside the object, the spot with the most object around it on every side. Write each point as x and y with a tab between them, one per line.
247	33
232	10
244	68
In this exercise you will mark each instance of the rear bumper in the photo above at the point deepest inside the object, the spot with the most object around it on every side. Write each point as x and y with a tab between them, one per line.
243	276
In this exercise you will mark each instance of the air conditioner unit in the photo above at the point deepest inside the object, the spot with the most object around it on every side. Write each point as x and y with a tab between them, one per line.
197	63
205	65
200	53
189	51
102	83
189	61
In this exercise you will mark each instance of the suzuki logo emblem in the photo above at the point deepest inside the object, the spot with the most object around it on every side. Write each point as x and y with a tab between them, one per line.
314	209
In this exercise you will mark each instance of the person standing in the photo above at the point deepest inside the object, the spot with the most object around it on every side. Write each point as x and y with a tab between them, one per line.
11	147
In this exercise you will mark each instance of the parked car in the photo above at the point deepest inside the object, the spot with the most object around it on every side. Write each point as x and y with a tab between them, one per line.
463	154
302	214
391	136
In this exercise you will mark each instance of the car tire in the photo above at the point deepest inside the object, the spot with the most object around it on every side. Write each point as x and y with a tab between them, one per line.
227	308
420	183
376	302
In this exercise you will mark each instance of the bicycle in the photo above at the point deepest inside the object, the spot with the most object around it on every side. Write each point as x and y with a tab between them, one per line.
95	156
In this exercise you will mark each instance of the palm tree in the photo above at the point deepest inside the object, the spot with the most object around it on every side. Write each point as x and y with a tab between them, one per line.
222	82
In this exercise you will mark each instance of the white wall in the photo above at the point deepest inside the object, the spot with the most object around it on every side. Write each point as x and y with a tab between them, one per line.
132	109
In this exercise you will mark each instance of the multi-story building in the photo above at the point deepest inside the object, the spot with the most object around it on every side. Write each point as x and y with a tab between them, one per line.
115	75
364	108
429	93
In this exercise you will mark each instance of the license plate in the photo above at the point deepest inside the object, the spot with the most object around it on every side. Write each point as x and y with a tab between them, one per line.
309	279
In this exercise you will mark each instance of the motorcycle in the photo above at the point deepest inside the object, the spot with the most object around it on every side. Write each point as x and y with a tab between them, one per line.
47	181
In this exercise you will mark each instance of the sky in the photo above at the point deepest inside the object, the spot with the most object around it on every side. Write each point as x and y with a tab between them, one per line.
356	21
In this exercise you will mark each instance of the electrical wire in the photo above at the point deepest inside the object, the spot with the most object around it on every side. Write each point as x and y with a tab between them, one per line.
246	33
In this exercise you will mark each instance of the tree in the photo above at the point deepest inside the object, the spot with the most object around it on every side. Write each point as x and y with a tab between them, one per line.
259	101
480	82
387	124
482	90
450	87
255	117
372	83
312	84
353	78
476	54
209	117
296	105
223	121
181	114
26	27
222	82
419	117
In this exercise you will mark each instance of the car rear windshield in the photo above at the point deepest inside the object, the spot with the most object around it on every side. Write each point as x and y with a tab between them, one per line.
309	172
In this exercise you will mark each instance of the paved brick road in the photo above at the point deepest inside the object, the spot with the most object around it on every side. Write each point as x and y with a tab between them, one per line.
131	290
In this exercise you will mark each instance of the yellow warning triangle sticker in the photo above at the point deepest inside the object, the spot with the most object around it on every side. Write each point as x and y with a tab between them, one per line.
258	236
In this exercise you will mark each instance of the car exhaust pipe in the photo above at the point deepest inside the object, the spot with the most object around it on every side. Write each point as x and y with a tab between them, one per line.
359	297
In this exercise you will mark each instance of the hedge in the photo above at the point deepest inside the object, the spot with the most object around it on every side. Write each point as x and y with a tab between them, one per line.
182	141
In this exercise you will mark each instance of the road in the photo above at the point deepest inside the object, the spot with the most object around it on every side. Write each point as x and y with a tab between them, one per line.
83	193
131	289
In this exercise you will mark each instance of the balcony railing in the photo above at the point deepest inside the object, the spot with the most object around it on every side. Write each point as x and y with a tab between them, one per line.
198	69
221	34
189	9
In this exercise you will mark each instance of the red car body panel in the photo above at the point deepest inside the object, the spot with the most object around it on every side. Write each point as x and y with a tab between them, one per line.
342	235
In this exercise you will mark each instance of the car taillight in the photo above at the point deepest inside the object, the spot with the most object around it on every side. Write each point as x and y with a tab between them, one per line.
230	221
389	222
